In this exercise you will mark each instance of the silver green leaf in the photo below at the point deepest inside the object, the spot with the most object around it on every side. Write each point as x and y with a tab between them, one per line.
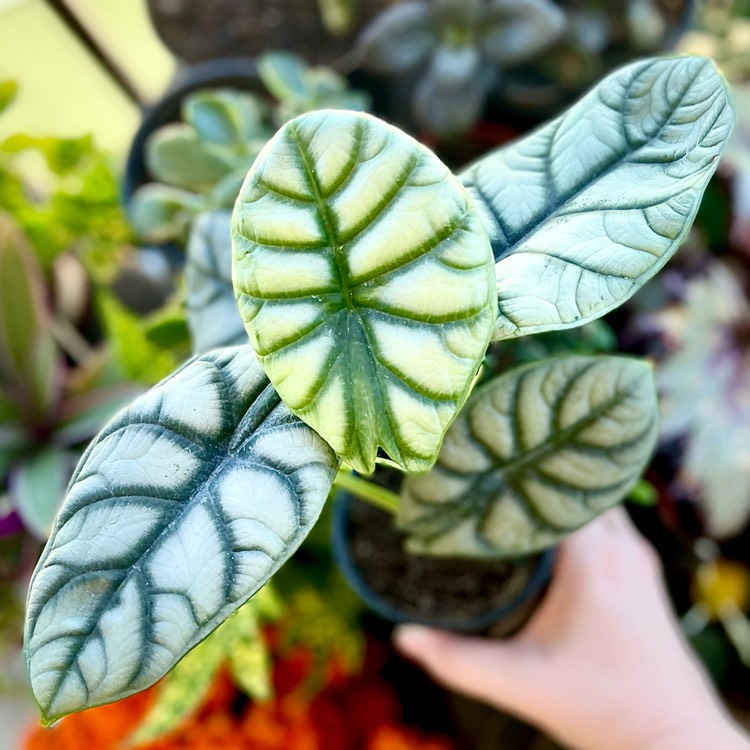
450	95
180	510
518	30
535	454
585	210
400	39
365	281
212	314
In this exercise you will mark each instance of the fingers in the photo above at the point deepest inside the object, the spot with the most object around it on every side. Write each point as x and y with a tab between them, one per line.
498	672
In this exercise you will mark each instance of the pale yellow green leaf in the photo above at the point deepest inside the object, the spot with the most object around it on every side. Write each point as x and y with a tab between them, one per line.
364	279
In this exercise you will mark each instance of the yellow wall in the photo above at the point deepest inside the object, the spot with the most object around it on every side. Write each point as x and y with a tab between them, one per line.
63	90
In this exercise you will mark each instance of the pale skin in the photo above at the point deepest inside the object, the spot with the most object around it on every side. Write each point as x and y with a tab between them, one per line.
601	665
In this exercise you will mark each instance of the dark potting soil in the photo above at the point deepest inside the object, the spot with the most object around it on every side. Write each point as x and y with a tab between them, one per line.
425	587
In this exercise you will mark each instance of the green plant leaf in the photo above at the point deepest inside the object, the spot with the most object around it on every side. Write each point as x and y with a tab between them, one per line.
175	154
226	190
213	317
180	510
161	213
82	416
248	656
536	453
30	360
585	210
339	17
8	91
284	75
137	357
37	488
299	88
365	282
46	375
228	117
184	689
23	309
63	155
167	327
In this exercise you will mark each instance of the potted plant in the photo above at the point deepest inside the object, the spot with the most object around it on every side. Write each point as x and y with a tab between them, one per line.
370	281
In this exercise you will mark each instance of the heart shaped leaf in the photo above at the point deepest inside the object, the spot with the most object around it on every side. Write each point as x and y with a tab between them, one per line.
585	210
536	453
181	509
364	279
212	313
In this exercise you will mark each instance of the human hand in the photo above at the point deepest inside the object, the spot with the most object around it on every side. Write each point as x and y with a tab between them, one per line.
602	664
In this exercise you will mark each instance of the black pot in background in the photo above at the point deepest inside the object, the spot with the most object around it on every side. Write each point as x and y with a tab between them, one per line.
497	621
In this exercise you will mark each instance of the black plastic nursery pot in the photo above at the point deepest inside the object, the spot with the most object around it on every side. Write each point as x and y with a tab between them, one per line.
495	597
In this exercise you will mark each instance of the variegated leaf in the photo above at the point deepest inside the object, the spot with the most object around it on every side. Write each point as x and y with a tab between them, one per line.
212	314
365	281
536	453
181	509
585	210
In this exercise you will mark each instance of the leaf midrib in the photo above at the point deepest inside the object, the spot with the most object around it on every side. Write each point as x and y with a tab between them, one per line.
329	224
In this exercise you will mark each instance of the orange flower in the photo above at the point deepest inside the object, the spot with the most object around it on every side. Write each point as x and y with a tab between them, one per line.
392	737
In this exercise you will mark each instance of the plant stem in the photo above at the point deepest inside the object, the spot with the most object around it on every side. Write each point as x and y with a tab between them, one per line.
374	494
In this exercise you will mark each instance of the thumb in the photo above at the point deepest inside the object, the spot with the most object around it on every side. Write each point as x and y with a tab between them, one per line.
507	674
